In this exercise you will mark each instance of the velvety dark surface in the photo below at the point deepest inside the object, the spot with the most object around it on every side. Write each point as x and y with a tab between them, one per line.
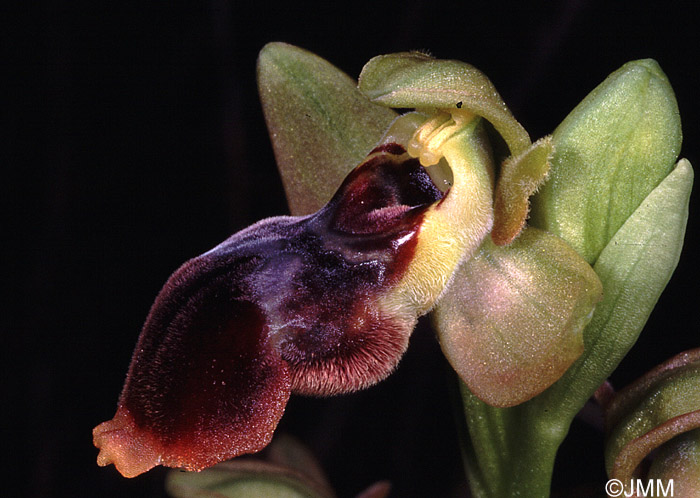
289	304
139	143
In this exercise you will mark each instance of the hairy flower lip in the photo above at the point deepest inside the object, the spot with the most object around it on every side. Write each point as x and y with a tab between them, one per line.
290	304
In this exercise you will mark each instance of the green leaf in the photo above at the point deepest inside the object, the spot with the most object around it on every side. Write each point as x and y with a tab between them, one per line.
511	323
610	152
321	126
416	80
241	479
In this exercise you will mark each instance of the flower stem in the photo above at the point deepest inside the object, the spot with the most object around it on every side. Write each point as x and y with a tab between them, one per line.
508	452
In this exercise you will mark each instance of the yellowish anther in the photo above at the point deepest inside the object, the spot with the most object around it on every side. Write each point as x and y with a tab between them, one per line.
423	133
429	138
453	228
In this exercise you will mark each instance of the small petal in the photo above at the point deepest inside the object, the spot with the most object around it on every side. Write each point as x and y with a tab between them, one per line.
511	323
520	177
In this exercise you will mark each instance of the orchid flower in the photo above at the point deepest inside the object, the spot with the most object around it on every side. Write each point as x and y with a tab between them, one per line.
319	304
324	301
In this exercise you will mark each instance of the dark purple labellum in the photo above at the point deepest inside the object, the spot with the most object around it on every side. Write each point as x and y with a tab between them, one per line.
290	304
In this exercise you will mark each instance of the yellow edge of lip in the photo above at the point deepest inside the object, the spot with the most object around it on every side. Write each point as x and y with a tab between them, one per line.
453	228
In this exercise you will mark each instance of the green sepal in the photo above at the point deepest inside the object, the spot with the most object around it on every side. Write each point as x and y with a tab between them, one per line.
320	125
528	304
416	80
679	461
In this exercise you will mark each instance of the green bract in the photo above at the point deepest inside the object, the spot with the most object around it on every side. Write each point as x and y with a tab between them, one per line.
610	152
634	261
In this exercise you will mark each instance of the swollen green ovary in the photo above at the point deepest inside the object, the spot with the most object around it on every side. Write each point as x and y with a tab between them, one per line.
454	228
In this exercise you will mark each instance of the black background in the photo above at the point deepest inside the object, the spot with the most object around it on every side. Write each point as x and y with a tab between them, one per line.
139	142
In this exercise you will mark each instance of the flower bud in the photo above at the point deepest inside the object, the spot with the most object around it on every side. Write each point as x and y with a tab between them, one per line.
654	410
